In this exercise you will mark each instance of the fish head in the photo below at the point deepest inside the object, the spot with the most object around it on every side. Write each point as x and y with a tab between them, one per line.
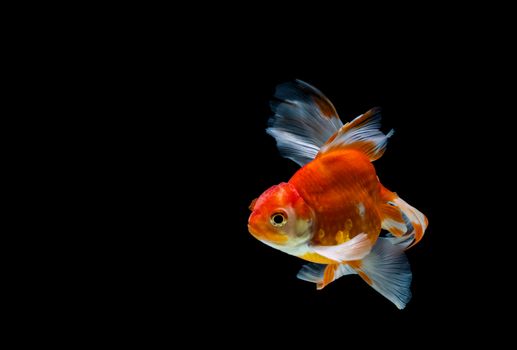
281	218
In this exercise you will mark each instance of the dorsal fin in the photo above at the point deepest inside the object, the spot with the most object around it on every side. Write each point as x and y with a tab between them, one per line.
304	119
363	133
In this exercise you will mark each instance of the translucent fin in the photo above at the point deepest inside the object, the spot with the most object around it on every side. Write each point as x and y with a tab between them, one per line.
312	272
315	273
354	249
402	220
418	220
363	133
304	119
386	269
392	219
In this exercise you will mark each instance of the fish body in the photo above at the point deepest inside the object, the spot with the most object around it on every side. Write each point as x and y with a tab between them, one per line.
332	211
343	190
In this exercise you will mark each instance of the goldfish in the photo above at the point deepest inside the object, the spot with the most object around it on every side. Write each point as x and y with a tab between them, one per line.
334	213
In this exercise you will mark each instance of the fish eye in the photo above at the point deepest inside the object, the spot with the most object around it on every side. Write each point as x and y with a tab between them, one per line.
278	219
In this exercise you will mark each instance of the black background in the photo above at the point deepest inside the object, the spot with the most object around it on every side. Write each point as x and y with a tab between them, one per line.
200	262
168	111
254	279
199	154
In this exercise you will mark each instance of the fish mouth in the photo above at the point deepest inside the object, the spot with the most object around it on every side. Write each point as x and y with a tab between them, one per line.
265	236
256	233
253	233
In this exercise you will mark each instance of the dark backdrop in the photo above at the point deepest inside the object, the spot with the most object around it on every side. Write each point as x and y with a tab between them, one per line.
205	156
421	165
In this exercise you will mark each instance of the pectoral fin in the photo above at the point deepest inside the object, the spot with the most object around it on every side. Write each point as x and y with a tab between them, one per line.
354	249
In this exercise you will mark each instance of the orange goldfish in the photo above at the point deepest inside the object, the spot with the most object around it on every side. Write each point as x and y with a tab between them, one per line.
332	211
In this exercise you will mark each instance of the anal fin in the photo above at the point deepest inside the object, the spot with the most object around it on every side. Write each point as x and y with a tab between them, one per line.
322	274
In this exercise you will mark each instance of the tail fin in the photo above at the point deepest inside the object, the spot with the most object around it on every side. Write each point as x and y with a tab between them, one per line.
402	220
363	133
386	269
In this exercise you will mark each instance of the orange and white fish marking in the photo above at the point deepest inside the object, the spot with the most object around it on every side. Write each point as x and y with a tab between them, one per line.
332	210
